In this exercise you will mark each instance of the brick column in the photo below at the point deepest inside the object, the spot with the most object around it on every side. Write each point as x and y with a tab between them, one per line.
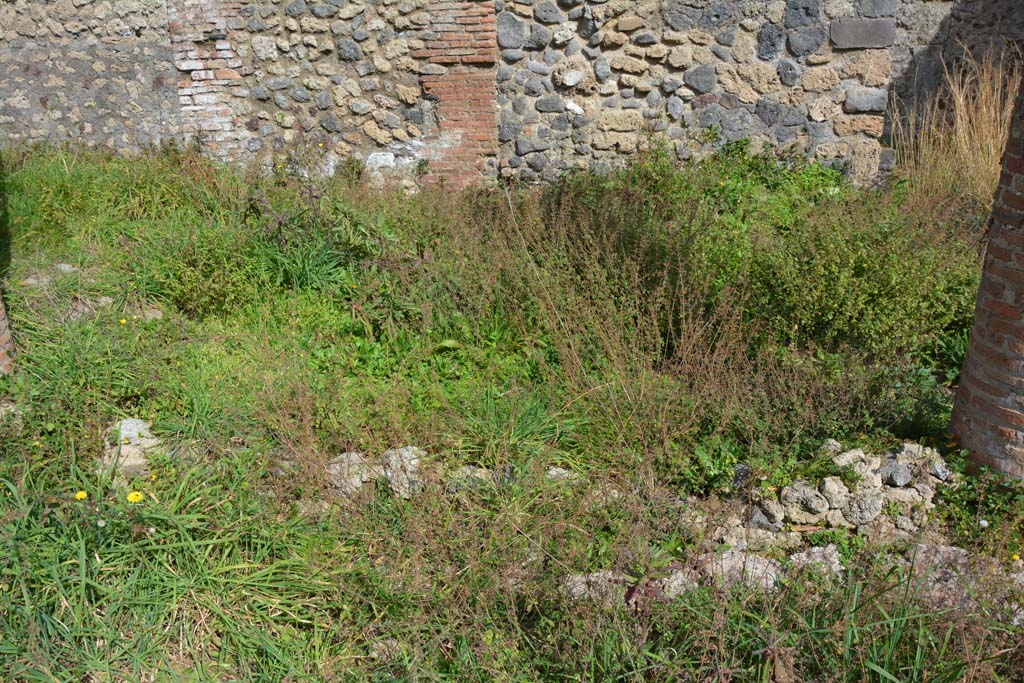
207	65
6	341
464	56
988	416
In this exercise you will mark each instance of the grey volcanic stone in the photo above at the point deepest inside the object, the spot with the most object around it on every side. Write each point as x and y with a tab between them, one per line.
675	107
602	70
862	99
771	39
349	50
526	146
850	34
680	15
538	39
331	124
278	83
789	72
296	8
300	94
550	103
877	8
511	31
804	41
718	15
644	38
359	106
702	78
323	10
802	13
260	93
548	13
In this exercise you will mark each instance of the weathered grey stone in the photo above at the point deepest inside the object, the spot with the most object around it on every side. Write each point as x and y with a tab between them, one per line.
862	99
323	10
348	472
937	468
526	146
331	123
850	34
511	31
260	93
127	446
278	83
864	505
835	492
606	587
402	467
295	8
349	50
468	478
802	13
877	8
359	107
702	78
716	16
547	12
825	560
734	568
804	41
679	582
538	39
896	473
602	69
802	503
674	107
789	72
300	94
771	40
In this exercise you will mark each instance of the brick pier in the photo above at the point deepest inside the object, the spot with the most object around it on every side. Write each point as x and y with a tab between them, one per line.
989	414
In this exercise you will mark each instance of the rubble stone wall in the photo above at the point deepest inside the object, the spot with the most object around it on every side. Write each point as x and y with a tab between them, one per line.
469	89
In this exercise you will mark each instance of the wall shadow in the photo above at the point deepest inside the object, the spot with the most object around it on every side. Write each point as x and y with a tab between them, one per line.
975	25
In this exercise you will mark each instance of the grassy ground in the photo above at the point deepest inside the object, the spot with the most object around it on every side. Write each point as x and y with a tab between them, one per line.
647	329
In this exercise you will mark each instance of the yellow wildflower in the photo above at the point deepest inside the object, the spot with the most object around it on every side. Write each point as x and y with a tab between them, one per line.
1015	557
123	321
134	497
81	495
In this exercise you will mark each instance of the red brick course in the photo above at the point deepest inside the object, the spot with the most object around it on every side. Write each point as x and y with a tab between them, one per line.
466	46
988	417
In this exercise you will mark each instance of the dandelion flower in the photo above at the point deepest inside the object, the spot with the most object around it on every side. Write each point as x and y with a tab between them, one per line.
81	495
123	321
1015	557
983	523
134	497
100	523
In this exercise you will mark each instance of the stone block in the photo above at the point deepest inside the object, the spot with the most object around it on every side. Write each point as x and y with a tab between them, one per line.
860	99
857	34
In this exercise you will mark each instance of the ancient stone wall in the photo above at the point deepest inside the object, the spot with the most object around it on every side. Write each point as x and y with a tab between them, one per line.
468	89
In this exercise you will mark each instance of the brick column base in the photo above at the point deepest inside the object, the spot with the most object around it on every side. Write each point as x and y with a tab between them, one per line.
6	341
988	416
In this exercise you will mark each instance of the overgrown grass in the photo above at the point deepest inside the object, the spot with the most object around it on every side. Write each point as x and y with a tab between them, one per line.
648	329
